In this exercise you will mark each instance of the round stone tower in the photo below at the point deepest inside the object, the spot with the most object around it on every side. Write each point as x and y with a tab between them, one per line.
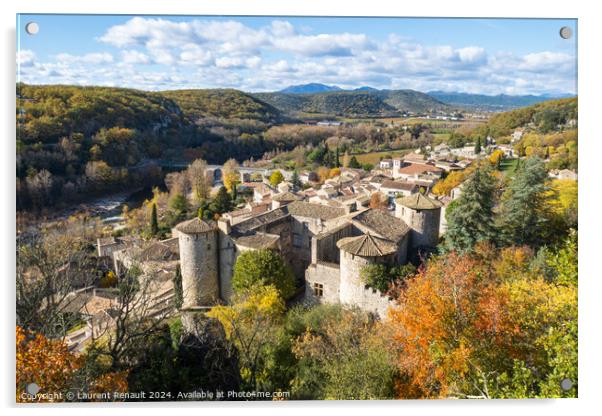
198	263
355	253
422	214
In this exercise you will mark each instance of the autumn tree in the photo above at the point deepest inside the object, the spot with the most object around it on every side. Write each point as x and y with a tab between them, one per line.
485	325
249	325
199	179
49	268
334	172
379	201
230	174
276	177
135	317
496	157
48	363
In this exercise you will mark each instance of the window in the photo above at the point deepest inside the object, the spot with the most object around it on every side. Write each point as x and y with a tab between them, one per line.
296	240
318	289
208	246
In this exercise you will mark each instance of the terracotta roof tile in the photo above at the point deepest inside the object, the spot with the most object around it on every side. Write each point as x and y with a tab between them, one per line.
196	226
383	224
419	201
367	246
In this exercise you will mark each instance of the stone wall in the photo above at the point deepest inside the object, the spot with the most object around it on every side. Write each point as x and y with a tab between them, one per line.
353	290
228	253
424	225
199	265
324	246
326	274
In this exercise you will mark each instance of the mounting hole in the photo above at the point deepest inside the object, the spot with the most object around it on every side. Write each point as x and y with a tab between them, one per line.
32	28
566	384
566	32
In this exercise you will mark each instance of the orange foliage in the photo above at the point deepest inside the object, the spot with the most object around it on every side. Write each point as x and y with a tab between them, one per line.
47	363
110	382
446	311
378	201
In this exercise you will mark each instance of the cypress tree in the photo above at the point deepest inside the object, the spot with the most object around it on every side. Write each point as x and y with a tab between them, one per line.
222	201
353	163
525	213
296	181
477	146
337	162
154	225
178	296
234	192
472	217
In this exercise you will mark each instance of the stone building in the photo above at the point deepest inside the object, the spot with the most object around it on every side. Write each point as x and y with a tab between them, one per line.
422	214
325	246
198	244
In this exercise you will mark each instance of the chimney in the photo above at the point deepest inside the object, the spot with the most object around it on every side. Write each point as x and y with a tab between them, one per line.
224	225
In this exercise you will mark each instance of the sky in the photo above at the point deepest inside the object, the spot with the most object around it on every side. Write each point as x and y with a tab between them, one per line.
484	56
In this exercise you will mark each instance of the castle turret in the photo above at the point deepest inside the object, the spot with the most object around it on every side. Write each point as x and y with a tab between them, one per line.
356	253
198	262
422	214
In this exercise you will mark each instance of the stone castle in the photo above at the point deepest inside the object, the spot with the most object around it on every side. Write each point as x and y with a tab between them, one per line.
325	246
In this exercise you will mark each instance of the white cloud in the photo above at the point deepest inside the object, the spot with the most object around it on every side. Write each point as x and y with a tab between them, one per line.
228	53
134	57
25	57
89	58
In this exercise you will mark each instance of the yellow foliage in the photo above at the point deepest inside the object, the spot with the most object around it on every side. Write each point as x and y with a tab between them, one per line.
444	187
108	280
48	363
496	156
334	172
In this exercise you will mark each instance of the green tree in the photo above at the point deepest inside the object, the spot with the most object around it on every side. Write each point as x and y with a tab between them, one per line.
337	162
354	164
262	268
380	276
276	177
297	184
344	357
154	224
222	201
526	214
178	296
472	219
477	146
179	204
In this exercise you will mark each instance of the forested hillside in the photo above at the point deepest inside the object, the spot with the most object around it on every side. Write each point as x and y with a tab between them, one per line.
354	103
543	117
222	103
74	141
500	102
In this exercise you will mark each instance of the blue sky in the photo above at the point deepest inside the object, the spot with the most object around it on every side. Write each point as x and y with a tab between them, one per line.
489	56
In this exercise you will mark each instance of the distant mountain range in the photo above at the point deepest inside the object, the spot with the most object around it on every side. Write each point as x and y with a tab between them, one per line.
301	99
309	89
319	100
492	102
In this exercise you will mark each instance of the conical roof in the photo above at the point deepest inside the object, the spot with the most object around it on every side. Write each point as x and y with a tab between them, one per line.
367	246
419	201
195	226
